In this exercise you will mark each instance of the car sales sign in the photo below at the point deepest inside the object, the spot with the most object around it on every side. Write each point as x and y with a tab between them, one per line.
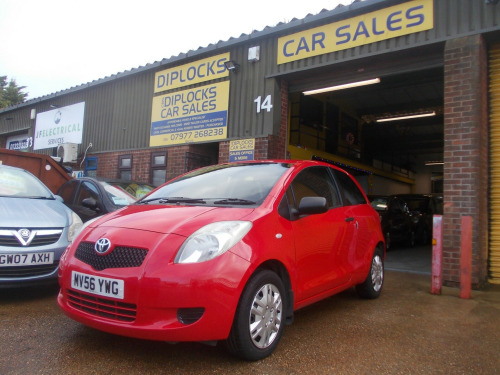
402	19
193	115
61	125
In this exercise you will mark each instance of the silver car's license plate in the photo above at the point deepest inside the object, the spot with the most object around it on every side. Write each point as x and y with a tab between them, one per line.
26	259
102	286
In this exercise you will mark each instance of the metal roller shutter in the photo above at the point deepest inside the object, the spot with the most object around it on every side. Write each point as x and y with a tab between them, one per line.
494	92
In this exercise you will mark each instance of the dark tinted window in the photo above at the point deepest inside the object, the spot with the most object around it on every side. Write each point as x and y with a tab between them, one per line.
87	190
315	182
351	194
67	190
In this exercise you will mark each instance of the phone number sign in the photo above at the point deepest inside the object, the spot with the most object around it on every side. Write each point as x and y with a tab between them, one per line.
242	149
188	116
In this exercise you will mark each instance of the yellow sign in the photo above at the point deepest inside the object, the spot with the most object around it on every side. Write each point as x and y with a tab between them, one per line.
193	115
189	74
242	149
401	19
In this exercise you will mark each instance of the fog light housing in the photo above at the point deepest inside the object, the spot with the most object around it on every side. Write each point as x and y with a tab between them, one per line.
190	315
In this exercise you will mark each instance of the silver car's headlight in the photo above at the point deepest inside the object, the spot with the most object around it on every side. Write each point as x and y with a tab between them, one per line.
74	227
211	241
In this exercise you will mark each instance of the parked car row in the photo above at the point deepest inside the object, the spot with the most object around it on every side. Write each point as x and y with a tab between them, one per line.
223	253
407	218
36	226
92	197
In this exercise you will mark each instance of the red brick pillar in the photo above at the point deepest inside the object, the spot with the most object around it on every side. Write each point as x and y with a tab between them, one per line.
465	155
278	142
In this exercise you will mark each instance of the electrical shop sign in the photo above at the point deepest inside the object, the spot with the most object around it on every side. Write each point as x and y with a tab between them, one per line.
402	19
194	115
189	74
61	125
242	149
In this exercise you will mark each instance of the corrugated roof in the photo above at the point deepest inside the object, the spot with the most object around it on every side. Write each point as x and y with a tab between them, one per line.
341	11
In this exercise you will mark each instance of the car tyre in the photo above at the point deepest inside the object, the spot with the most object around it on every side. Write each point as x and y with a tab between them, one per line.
259	319
372	286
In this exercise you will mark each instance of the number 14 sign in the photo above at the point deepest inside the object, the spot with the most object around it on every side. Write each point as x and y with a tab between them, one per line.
265	104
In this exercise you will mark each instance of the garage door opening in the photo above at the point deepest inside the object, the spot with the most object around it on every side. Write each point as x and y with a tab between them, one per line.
389	158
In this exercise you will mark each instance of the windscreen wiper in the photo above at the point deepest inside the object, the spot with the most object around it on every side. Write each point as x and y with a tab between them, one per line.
235	201
162	200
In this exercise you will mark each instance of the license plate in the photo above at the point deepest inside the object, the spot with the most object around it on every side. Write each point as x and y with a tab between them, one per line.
26	259
101	286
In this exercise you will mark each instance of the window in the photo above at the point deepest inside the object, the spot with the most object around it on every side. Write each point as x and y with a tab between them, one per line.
158	168
351	194
315	182
67	190
91	166
125	167
87	190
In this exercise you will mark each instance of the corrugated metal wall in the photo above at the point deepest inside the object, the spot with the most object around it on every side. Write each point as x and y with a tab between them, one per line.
494	92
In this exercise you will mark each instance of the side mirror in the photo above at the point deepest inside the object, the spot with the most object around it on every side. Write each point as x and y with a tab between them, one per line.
313	205
90	203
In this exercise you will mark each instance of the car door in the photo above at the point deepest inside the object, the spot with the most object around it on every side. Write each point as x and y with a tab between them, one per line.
360	212
321	240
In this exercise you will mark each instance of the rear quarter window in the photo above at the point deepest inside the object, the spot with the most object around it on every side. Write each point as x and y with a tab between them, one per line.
351	195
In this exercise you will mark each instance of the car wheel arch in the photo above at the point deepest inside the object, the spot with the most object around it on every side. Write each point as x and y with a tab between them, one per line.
283	273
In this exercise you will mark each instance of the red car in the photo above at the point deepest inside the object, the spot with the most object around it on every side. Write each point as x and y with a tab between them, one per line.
226	252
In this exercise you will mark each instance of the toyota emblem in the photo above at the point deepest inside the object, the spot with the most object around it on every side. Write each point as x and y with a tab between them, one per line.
102	246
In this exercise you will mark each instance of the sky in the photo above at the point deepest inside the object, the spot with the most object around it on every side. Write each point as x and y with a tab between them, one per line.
53	45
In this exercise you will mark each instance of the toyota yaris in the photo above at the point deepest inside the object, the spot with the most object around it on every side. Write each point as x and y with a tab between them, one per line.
225	253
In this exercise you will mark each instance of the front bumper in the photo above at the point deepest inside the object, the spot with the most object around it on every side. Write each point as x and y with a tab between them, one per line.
162	300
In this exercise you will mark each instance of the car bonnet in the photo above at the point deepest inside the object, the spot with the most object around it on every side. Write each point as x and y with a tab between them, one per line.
29	213
183	220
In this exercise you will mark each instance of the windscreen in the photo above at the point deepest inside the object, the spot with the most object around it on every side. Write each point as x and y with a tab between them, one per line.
231	183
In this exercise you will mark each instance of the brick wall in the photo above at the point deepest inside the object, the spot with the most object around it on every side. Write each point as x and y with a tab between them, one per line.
465	155
278	142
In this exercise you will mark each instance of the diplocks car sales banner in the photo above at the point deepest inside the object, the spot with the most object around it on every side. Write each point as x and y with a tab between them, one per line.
402	19
61	125
193	115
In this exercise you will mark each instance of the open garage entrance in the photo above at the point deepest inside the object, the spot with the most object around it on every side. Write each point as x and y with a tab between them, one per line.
347	127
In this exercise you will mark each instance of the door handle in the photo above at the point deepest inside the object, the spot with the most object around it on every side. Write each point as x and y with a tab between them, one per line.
348	219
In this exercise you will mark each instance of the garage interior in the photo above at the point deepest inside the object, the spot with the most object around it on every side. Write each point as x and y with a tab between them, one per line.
344	123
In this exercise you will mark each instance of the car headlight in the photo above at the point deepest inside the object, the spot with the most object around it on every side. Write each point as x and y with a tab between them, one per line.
74	227
211	241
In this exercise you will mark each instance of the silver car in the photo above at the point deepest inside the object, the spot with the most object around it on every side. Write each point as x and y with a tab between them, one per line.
35	229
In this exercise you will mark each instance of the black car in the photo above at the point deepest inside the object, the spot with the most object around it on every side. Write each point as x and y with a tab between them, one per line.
396	219
423	207
91	197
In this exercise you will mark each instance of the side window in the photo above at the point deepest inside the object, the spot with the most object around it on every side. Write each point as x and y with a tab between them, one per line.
350	192
396	206
314	182
87	190
67	191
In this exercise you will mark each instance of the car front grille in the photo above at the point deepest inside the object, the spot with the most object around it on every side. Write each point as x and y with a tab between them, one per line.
103	307
35	237
28	271
119	257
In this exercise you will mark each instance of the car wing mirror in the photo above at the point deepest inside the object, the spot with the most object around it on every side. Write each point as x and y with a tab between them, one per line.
313	205
90	203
